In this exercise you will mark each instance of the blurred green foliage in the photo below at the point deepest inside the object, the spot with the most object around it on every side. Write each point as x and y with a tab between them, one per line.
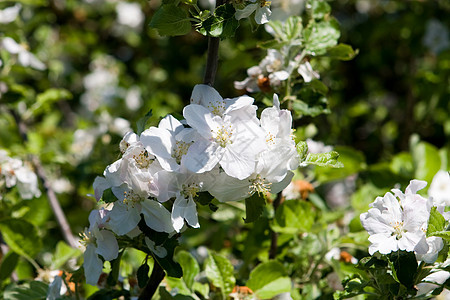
389	119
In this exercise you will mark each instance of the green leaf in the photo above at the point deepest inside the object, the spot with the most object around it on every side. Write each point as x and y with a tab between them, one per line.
178	285
34	290
272	44
165	295
202	288
220	272
107	294
318	8
442	234
221	24
293	217
62	254
171	20
426	161
302	150
302	108
402	164
142	122
405	266
353	285
21	236
353	161
328	159
321	36
317	86
436	222
293	27
46	99
172	268
342	52
254	207
189	265
8	265
269	279
142	274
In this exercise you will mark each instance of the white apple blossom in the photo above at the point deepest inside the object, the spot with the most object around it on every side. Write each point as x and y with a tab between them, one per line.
169	142
261	9
221	147
98	240
398	222
25	58
228	135
306	71
277	123
432	282
271	71
14	172
440	188
9	14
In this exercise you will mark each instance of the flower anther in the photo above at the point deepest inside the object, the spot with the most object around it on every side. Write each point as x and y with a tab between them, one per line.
259	185
143	159
223	135
181	148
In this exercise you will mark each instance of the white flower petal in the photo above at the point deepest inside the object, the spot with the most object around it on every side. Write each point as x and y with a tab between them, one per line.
107	245
262	15
156	216
92	265
124	218
184	209
246	11
11	45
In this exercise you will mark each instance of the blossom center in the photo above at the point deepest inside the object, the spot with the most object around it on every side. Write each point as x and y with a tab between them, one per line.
190	190
270	139
181	148
259	185
398	229
217	109
131	198
263	3
223	135
87	237
143	159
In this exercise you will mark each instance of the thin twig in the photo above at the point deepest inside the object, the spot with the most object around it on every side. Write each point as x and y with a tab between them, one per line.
51	196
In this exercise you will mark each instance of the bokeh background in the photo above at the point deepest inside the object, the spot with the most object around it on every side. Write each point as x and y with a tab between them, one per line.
106	68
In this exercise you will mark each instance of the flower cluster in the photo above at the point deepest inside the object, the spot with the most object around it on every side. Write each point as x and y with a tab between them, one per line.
13	172
399	221
220	147
273	69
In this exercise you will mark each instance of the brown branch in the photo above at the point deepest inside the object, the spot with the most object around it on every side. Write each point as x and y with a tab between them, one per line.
153	282
213	56
51	196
